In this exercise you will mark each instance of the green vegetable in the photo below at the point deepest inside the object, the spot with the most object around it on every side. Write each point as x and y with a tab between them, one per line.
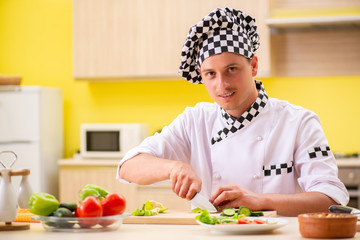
71	206
149	208
228	212
221	220
197	210
257	214
43	204
244	210
138	212
93	190
60	212
63	212
154	205
206	218
228	215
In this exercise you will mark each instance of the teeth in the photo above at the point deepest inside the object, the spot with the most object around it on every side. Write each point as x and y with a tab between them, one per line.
226	95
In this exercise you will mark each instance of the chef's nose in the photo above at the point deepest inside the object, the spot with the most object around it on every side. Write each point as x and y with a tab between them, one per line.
222	81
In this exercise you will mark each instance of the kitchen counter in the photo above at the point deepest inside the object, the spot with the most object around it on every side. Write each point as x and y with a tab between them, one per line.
348	162
153	232
150	232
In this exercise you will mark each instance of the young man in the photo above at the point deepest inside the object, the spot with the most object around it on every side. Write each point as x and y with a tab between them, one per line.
246	148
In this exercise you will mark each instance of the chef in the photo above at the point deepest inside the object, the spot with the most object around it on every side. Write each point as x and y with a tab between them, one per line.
246	148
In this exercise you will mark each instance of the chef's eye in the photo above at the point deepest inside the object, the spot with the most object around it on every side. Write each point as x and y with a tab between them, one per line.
209	74
231	69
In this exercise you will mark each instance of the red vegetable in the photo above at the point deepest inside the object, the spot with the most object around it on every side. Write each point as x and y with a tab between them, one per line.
113	204
244	221
259	221
89	207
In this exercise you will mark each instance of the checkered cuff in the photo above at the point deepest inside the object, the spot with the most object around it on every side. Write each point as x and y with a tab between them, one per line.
278	169
317	152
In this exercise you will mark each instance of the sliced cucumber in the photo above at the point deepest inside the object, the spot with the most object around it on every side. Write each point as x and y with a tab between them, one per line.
257	214
228	212
245	211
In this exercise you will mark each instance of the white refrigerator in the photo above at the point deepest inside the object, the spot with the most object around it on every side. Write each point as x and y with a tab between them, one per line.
31	125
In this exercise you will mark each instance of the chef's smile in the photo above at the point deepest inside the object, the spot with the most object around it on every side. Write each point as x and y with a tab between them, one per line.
226	96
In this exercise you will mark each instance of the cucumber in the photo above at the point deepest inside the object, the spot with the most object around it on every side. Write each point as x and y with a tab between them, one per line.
63	212
228	212
257	214
245	211
71	206
60	212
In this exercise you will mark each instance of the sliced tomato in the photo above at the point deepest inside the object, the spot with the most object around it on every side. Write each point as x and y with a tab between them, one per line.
244	221
259	221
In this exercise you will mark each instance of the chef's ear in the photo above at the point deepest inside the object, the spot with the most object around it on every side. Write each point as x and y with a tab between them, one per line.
254	65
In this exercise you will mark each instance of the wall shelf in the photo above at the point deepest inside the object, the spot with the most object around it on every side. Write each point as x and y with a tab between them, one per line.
313	21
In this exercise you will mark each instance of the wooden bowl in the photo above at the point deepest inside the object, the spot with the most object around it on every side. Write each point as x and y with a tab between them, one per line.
327	225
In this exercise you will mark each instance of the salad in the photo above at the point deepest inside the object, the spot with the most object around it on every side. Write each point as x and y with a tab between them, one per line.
230	216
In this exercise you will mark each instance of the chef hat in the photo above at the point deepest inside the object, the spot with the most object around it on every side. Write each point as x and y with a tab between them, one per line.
223	30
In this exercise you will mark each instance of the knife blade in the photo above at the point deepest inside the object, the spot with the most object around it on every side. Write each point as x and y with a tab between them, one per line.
344	209
202	202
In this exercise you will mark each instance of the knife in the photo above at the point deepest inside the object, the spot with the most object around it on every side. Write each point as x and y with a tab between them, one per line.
202	202
344	209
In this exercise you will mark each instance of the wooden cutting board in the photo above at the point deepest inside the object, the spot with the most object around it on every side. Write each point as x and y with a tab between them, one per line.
174	217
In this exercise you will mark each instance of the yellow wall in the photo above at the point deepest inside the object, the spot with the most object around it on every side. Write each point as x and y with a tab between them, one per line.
36	42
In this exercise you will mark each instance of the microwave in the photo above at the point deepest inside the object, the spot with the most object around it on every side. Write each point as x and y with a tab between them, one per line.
110	140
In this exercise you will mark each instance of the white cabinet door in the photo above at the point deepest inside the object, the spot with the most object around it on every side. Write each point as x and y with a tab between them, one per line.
19	117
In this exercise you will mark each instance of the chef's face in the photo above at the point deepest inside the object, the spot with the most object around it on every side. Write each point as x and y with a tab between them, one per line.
228	77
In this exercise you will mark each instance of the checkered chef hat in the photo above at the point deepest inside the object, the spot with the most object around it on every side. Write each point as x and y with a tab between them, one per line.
223	30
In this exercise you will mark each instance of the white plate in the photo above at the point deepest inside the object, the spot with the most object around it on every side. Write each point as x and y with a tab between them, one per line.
273	223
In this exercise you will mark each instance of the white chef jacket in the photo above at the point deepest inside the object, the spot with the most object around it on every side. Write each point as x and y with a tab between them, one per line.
282	150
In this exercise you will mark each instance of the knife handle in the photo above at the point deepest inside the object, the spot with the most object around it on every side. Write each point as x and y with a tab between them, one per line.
340	209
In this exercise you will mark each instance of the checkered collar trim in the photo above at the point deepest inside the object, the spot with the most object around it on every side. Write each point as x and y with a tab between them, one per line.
235	124
223	30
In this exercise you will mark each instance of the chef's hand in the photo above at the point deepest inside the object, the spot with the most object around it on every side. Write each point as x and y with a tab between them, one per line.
233	196
184	181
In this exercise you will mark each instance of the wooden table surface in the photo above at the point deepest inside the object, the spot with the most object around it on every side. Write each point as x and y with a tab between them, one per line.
153	232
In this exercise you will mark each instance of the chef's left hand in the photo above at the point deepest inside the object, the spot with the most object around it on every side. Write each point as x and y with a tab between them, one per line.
233	196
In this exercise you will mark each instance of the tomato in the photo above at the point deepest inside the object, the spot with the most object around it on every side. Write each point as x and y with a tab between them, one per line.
259	221
89	207
113	204
244	221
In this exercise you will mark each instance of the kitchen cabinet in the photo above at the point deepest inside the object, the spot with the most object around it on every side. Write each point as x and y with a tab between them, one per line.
349	174
75	174
318	38
118	39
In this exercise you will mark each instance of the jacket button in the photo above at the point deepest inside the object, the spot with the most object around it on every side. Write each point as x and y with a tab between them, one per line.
217	176
256	176
259	138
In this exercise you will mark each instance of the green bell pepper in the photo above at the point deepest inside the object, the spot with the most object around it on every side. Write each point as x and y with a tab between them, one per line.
93	190
43	204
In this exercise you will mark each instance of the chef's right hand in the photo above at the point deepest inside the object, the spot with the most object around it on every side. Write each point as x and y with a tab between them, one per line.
184	181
